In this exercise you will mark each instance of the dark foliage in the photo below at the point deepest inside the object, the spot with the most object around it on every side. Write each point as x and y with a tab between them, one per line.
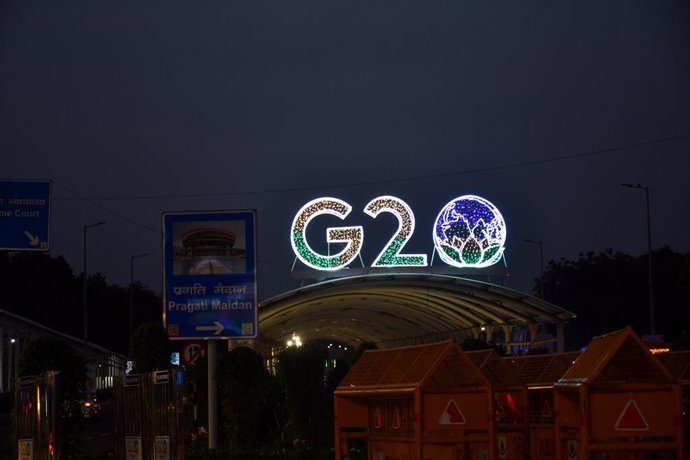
301	375
609	291
36	285
150	348
247	399
46	353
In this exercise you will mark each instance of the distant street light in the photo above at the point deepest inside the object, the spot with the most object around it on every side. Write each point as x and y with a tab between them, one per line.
650	281
295	341
86	276
131	291
541	265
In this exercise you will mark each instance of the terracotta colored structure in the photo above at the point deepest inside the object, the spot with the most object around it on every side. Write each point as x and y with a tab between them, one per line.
618	402
432	402
539	373
678	363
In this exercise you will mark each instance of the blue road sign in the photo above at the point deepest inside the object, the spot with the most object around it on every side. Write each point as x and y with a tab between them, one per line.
24	215
210	274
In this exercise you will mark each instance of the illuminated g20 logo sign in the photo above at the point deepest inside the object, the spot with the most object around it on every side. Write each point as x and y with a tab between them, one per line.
468	232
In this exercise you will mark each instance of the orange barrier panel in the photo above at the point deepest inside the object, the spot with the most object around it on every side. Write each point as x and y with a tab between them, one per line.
431	402
618	401
615	401
678	363
539	373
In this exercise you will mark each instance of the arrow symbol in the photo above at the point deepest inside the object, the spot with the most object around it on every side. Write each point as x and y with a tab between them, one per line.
33	240
217	328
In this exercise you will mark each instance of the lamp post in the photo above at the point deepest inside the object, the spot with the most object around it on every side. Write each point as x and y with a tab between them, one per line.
86	275
541	265
650	282
131	291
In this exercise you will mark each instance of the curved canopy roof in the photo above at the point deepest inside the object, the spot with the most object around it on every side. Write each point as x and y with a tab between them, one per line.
398	308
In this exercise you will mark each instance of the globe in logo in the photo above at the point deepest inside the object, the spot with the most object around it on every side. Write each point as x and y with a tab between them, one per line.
470	232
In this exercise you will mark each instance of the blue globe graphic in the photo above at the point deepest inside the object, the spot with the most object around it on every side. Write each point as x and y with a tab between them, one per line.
470	232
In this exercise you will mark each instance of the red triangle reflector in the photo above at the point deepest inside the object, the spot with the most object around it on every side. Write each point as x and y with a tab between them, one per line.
396	418
546	409
631	418
452	415
377	418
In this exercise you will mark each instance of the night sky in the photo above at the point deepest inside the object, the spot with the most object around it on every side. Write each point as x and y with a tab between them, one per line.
134	108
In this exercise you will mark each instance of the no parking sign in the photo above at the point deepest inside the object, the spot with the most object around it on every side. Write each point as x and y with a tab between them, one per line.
191	353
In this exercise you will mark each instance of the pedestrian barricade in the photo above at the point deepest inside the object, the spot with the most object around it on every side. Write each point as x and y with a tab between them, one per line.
149	416
618	402
509	395
36	412
429	402
678	363
539	373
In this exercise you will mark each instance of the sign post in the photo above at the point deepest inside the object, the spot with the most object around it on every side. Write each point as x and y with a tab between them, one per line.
210	284
24	215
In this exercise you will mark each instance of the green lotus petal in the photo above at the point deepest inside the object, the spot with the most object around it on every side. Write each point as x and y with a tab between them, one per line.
490	252
451	252
472	252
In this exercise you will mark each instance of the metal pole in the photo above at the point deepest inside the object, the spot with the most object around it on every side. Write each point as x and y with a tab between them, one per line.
86	276
650	281
131	295
212	396
131	292
84	294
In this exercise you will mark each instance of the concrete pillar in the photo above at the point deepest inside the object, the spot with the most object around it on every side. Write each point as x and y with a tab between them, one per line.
489	330
508	338
560	336
533	328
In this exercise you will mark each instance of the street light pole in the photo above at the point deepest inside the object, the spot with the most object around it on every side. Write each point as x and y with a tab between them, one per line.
131	291
541	265
650	279
86	276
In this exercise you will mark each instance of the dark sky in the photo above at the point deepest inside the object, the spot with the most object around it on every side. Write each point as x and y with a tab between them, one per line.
133	108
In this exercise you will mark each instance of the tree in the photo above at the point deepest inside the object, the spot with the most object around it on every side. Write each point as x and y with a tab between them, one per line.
301	374
609	291
47	353
149	348
35	285
244	390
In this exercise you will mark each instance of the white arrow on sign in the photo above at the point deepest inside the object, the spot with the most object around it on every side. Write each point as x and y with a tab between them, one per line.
33	240
218	328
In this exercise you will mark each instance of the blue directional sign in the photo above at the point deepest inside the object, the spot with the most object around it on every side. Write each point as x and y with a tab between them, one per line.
24	215
210	275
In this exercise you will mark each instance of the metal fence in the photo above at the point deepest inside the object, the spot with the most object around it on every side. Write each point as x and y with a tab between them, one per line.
36	416
149	416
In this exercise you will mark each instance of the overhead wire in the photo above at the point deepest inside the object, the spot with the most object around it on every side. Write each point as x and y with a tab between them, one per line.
519	164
